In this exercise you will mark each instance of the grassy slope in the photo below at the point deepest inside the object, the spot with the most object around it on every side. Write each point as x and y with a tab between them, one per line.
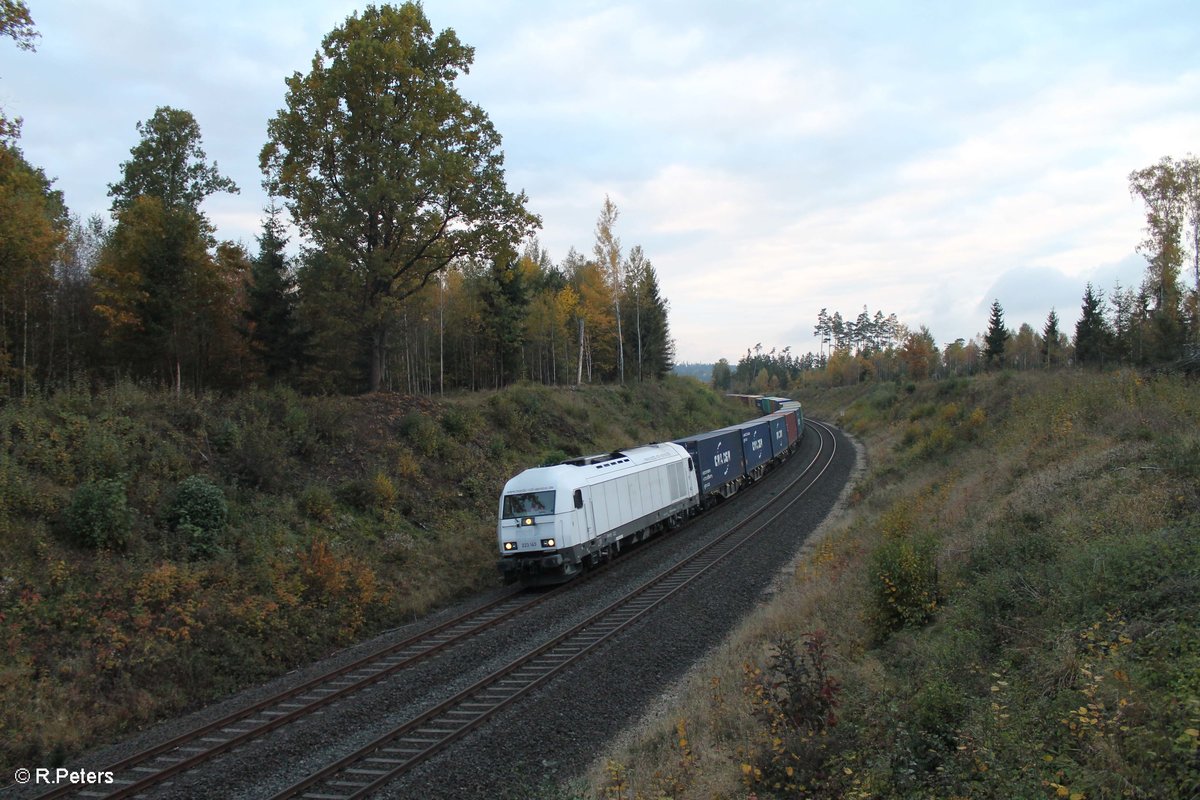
345	516
1009	608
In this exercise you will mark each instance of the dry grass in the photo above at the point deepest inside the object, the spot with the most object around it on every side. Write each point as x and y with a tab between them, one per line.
1061	505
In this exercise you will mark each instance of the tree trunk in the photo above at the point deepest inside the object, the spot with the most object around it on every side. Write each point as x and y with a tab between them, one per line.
620	344
378	340
579	374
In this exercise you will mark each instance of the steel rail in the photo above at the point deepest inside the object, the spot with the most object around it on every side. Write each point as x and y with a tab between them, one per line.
197	745
382	760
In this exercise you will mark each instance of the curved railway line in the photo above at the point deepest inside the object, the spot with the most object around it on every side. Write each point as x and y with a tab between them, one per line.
366	770
361	773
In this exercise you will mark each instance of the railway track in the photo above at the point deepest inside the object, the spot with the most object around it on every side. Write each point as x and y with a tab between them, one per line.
417	739
147	768
369	768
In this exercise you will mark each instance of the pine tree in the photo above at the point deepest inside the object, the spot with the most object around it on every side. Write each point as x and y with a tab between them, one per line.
1092	333
658	348
272	327
506	298
1050	339
996	336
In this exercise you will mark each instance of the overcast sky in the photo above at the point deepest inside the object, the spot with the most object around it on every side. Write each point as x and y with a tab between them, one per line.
772	158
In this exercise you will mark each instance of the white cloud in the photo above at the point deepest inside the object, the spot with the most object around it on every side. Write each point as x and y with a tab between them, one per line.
771	160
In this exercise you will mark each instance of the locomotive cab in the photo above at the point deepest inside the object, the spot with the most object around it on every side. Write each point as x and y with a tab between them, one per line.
540	514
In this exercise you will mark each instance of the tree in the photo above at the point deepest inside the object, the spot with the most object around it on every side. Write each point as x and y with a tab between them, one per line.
16	24
955	357
33	223
506	299
1162	187
157	285
169	163
919	353
151	286
722	376
386	167
658	348
1050	344
607	250
271	324
635	282
77	346
1025	348
1092	333
996	336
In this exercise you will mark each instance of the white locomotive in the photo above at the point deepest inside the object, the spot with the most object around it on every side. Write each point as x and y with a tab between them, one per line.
556	520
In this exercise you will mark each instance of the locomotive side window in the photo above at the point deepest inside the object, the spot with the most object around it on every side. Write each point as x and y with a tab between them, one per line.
579	498
528	504
690	467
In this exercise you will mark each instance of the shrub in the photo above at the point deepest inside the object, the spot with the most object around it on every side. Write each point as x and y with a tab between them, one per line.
199	512
461	423
794	700
904	583
422	432
383	491
316	503
99	515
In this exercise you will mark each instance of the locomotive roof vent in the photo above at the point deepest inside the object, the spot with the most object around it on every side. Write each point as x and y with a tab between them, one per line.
600	461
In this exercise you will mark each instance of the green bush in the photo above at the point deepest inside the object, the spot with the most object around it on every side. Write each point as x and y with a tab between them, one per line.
421	431
99	515
904	586
461	423
316	503
200	502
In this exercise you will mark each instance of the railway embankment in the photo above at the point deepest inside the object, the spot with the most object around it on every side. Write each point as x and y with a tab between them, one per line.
1009	606
159	552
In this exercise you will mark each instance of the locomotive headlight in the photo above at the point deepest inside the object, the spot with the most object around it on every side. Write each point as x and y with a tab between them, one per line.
526	521
547	543
510	545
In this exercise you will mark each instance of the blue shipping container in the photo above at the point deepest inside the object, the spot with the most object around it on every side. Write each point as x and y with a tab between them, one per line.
779	434
756	444
717	456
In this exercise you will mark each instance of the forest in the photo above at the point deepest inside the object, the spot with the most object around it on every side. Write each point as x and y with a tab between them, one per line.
417	269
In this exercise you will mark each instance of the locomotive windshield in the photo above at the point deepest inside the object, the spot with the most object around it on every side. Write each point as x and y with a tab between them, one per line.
529	504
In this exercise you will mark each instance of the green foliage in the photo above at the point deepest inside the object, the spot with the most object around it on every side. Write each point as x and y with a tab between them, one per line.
905	591
392	176
462	422
16	23
198	501
169	164
316	503
272	326
422	432
99	516
996	337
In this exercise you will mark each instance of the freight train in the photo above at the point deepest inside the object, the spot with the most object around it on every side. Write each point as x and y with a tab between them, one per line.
556	521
